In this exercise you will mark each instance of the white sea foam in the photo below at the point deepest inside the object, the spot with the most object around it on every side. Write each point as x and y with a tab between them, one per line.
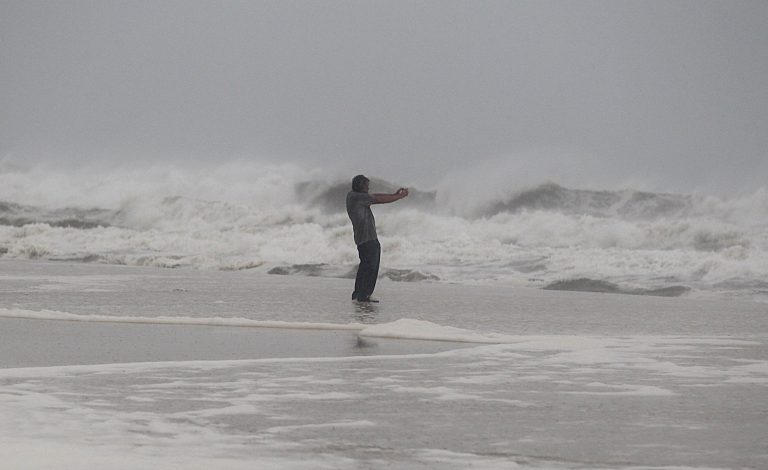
180	320
246	215
273	413
400	329
419	329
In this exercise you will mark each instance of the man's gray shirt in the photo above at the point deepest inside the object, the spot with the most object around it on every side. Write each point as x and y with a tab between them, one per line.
359	211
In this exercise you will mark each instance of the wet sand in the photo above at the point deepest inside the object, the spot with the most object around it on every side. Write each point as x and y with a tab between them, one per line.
40	343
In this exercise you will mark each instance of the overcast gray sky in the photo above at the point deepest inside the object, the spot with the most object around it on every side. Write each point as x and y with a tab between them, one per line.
671	94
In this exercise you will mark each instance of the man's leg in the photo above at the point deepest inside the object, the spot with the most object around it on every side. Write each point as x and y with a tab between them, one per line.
370	256
361	270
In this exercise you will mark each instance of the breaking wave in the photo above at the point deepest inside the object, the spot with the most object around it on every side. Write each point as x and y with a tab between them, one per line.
284	220
593	285
622	204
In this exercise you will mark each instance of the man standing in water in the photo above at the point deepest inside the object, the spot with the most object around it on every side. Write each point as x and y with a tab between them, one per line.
364	225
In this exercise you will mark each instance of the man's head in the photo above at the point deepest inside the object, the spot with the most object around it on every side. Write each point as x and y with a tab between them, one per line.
360	184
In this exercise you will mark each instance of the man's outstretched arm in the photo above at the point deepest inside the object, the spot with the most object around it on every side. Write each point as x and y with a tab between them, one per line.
387	198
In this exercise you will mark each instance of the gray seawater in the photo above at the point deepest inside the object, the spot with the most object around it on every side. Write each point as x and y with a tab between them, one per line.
580	380
271	219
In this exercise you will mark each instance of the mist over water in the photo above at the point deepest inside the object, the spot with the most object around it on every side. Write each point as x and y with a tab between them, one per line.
284	219
479	99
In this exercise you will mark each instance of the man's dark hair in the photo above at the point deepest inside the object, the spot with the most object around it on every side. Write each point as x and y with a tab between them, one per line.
358	182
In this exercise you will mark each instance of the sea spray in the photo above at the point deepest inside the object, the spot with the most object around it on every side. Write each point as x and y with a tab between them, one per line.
274	218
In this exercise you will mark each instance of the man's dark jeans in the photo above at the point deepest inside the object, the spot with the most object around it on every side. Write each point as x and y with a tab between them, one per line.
368	271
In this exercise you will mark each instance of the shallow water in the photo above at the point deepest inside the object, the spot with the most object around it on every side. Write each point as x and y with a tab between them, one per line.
578	380
86	289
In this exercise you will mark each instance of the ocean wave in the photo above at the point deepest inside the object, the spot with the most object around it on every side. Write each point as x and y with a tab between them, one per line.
19	215
594	285
622	204
287	221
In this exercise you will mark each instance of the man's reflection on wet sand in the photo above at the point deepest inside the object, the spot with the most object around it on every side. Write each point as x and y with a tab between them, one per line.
365	312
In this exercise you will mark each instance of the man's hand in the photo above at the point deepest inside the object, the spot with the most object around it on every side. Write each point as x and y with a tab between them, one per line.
402	192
